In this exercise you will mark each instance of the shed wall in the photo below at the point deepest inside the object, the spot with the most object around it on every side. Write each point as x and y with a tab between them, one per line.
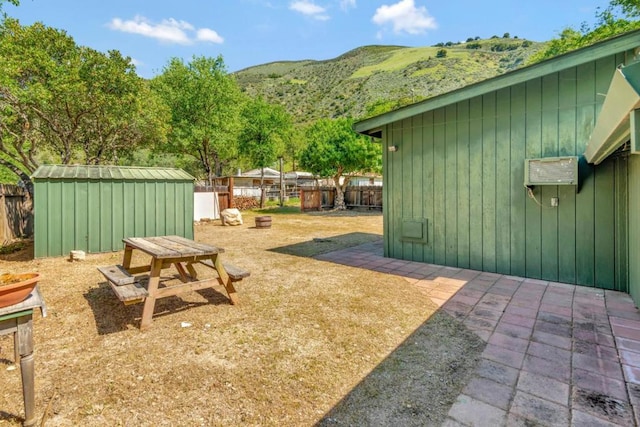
95	215
461	168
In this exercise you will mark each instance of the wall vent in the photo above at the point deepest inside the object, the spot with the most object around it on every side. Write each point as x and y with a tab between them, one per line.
551	171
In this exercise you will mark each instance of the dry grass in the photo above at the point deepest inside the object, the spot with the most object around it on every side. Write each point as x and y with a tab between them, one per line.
304	335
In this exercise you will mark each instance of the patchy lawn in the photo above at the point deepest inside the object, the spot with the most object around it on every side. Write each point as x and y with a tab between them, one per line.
311	342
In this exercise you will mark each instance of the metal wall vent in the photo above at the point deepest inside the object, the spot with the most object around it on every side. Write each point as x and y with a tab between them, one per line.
551	171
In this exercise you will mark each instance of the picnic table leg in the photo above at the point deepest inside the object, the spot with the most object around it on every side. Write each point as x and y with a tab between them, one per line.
224	279
126	261
152	288
182	272
192	271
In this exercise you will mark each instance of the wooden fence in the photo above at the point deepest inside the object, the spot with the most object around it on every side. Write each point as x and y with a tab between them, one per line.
16	216
319	198
224	188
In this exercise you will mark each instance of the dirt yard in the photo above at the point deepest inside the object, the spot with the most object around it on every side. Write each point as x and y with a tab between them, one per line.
311	342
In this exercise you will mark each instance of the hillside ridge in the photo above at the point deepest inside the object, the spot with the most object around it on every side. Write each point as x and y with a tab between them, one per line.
371	79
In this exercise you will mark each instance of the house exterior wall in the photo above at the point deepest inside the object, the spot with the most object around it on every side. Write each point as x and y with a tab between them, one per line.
634	228
95	215
459	173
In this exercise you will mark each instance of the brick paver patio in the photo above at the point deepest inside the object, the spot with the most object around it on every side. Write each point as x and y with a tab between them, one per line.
555	354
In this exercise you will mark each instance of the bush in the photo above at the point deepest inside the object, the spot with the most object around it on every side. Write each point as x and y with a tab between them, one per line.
442	53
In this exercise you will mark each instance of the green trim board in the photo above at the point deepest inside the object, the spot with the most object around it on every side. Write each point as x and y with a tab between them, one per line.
634	124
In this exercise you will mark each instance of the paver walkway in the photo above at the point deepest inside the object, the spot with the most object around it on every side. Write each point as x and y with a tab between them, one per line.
556	354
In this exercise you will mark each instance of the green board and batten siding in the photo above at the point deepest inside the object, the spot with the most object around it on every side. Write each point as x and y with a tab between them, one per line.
464	158
92	208
634	228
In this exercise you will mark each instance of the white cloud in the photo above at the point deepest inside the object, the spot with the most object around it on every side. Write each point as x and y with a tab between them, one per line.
310	9
207	35
168	30
405	17
346	4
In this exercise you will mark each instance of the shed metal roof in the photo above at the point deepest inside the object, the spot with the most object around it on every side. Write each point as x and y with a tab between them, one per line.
135	173
627	41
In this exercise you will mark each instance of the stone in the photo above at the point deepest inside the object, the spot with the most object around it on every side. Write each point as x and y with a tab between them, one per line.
231	216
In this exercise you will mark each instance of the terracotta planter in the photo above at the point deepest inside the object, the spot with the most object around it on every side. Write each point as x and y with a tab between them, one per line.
15	288
263	222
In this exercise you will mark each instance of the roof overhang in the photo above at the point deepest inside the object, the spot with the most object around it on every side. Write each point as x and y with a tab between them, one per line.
613	125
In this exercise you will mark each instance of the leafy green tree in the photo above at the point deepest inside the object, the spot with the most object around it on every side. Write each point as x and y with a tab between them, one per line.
335	150
294	146
13	2
630	8
265	129
73	102
205	103
608	24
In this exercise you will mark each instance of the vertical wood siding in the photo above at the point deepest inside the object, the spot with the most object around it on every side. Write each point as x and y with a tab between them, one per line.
95	216
461	167
634	228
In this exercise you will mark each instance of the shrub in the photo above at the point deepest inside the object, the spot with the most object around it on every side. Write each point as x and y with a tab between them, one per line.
442	53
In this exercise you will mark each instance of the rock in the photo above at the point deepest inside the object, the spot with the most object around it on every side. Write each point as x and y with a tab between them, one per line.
231	216
77	256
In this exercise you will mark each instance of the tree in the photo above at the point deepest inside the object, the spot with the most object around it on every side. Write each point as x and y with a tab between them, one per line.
608	24
73	102
630	8
205	103
13	2
335	150
265	129
294	145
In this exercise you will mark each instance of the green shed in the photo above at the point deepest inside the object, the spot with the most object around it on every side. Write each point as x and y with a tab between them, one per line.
533	173
92	208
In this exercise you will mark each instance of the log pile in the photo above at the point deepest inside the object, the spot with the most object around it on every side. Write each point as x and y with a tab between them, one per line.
244	203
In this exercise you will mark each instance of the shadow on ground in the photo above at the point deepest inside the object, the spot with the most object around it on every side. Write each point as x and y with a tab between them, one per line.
417	383
112	316
321	245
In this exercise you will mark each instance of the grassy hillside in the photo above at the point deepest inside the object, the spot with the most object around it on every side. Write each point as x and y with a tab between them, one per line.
387	75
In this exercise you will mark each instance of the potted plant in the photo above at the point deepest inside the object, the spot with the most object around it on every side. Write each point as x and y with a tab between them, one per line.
15	288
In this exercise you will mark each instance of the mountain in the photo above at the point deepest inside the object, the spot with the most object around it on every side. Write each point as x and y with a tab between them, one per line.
372	79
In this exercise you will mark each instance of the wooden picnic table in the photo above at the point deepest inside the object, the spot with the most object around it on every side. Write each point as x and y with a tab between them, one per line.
17	319
167	251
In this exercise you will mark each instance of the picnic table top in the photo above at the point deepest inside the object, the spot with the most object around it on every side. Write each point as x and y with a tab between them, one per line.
161	247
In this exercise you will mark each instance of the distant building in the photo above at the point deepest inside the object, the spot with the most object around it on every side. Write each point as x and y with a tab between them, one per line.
248	183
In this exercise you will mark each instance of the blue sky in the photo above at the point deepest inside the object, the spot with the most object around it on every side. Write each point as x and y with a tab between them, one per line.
253	32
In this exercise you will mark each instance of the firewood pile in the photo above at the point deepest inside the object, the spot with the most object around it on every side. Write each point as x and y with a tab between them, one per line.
244	203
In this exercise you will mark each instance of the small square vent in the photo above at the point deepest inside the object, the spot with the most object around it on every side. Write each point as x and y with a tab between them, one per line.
551	171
